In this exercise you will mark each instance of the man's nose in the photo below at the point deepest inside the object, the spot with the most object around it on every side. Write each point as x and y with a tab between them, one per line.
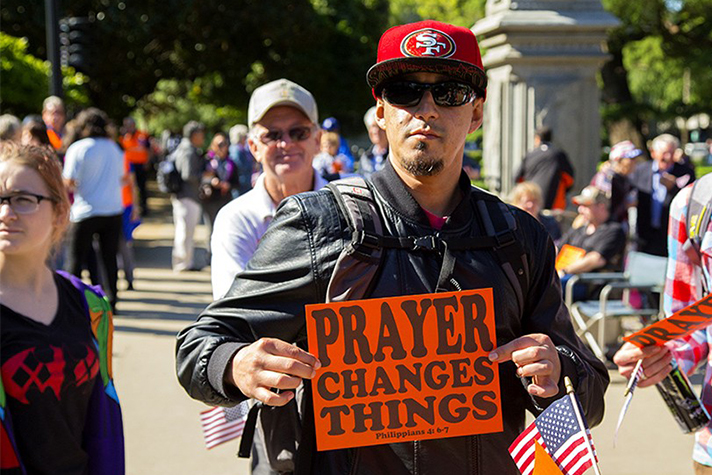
426	108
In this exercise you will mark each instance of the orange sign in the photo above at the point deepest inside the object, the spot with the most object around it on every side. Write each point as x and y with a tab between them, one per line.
679	324
404	368
567	256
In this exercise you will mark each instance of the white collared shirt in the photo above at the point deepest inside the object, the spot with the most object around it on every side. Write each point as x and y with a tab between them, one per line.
238	228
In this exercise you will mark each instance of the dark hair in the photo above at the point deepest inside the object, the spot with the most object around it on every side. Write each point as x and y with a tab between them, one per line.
36	127
92	122
544	134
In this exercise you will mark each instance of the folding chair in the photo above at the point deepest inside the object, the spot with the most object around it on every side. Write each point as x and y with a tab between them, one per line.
643	272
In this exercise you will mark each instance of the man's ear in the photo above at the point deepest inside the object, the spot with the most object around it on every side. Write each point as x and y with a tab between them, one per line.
253	149
477	115
380	114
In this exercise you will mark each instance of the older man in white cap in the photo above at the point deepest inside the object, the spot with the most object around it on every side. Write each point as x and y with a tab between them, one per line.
284	137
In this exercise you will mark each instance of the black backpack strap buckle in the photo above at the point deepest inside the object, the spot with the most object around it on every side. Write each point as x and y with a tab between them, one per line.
425	243
365	239
504	239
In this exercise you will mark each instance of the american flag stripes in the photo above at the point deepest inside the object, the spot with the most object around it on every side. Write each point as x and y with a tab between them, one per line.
558	431
222	424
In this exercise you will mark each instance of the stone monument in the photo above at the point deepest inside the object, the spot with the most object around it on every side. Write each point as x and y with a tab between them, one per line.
542	59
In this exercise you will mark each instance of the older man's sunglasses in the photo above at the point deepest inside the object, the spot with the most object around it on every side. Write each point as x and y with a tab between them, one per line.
446	94
296	134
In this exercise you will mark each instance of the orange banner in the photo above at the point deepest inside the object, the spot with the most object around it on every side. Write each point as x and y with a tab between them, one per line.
567	256
404	368
679	324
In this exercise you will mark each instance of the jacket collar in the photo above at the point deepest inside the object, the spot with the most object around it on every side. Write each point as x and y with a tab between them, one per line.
394	192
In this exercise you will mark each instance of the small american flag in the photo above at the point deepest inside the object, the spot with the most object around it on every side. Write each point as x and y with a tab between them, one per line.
222	424
558	431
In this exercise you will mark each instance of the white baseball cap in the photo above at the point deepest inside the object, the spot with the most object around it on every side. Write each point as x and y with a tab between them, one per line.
281	92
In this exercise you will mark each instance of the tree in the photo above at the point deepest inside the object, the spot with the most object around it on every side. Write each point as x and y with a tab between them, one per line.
325	45
659	67
457	12
25	79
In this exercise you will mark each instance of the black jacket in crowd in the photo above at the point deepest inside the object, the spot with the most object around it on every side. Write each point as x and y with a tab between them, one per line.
292	267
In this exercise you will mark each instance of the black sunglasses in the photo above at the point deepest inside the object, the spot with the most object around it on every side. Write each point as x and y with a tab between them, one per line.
446	94
297	134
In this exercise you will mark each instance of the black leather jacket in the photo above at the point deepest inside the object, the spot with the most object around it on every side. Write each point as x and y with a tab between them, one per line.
292	267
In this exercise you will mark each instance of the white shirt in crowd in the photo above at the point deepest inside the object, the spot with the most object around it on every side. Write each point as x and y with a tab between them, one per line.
238	229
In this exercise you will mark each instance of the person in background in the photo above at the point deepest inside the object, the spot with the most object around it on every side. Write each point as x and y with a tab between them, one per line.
287	165
602	238
241	155
548	166
94	172
219	179
243	345
55	117
656	182
10	128
34	131
330	124
688	279
328	162
527	196
58	405
137	149
612	178
375	157
130	220
186	203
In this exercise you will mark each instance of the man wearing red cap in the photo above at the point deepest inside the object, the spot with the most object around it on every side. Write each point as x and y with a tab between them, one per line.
430	86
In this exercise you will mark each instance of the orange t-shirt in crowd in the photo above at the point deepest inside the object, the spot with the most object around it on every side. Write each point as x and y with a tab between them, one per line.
135	147
54	139
126	189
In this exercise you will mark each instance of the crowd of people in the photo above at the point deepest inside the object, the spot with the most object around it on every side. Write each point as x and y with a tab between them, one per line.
275	249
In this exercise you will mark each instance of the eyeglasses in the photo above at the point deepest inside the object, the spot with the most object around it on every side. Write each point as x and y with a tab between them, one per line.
296	134
446	94
24	203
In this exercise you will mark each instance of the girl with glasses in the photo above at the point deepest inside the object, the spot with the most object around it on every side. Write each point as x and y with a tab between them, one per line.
58	406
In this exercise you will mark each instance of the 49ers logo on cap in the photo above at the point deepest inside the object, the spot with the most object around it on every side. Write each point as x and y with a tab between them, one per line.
428	43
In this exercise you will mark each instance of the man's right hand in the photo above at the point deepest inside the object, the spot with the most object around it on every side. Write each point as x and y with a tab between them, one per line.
656	362
268	364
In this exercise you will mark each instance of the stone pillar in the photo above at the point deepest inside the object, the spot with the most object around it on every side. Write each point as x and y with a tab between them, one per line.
542	59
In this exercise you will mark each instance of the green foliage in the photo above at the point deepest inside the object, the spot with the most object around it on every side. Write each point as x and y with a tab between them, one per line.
662	49
325	45
175	102
458	12
25	79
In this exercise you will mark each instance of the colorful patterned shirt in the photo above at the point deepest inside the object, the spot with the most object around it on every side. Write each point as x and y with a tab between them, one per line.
682	288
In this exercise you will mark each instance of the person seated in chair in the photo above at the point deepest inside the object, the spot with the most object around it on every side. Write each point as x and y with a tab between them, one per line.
601	238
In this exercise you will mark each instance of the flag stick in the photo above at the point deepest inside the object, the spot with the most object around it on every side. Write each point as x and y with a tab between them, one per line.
634	378
579	418
628	395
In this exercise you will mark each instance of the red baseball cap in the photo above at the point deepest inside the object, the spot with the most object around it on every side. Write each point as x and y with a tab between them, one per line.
429	46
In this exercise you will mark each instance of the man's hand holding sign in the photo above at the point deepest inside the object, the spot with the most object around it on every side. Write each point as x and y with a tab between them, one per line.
268	364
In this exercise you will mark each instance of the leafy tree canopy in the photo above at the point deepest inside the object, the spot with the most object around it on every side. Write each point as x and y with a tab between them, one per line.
660	66
28	79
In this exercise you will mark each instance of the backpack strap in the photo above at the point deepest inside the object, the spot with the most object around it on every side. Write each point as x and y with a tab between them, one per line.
358	264
499	223
699	211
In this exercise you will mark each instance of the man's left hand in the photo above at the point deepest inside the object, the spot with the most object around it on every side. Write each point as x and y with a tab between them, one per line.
535	356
